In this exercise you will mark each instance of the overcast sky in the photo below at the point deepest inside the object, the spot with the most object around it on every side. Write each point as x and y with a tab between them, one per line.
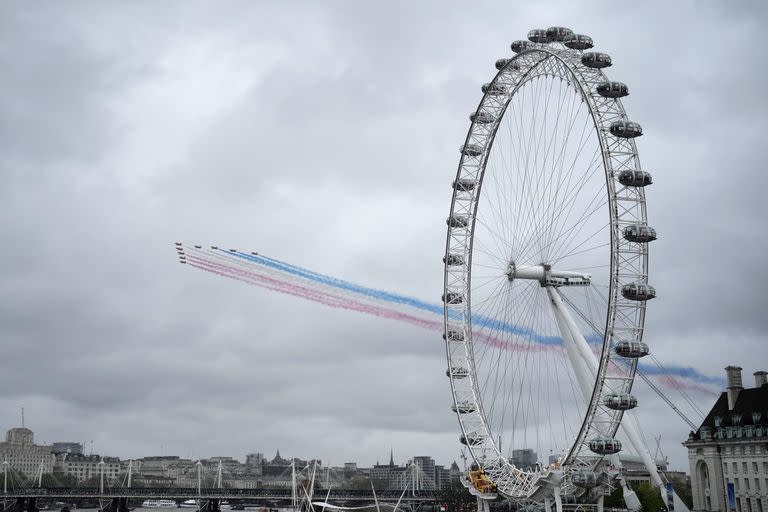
326	135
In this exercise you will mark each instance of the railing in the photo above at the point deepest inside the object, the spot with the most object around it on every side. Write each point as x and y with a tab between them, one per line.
213	493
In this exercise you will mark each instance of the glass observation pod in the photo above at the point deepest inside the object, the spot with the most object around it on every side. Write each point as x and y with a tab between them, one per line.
453	298
638	291
519	46
457	221
472	439
453	335
481	117
604	445
464	185
631	349
596	60
558	33
501	63
626	129
457	372
453	260
538	35
619	401
471	150
584	479
577	42
493	89
612	89
464	408
635	178
639	233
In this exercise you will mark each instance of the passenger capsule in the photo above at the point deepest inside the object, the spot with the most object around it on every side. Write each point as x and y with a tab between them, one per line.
639	233
472	439
454	335
464	185
214	247
457	221
457	372
577	42
619	401
612	89
464	407
604	445
453	260
493	89
626	129
538	35
596	60
501	63
453	298
635	178
519	46
631	349
198	247
482	117
558	33
584	479
471	150
638	291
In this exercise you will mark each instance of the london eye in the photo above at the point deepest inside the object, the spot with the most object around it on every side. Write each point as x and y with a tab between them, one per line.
546	272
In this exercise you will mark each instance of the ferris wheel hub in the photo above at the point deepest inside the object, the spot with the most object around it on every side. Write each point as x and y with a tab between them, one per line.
546	275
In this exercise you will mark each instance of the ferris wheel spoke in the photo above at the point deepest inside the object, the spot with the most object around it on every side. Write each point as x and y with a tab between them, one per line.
567	230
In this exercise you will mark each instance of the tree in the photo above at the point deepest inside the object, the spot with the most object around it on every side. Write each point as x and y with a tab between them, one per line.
682	487
59	480
649	496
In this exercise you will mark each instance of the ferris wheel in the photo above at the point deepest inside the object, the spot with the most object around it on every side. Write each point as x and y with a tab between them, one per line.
546	271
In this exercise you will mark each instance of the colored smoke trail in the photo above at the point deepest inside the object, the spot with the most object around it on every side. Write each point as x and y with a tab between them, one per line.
337	293
341	302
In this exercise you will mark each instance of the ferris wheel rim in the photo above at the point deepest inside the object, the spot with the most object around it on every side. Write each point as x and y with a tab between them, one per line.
566	58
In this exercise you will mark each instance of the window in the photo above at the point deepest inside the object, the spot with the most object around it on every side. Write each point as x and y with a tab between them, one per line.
765	467
746	484
736	468
754	467
757	484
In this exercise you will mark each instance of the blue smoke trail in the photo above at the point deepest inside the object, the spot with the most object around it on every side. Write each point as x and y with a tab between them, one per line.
480	321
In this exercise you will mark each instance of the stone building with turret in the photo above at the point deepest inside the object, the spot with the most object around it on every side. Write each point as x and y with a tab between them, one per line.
731	446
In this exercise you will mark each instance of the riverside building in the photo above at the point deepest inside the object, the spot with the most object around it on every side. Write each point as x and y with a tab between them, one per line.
23	455
731	447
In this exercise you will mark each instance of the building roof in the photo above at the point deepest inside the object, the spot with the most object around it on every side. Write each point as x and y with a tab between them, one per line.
750	409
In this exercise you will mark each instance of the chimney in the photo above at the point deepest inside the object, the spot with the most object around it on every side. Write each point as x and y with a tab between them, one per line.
733	387
761	378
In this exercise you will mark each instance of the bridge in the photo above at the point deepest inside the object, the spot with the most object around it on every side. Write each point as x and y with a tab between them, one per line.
27	499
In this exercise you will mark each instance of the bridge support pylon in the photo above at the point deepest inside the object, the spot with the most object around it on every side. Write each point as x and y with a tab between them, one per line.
209	505
116	505
14	505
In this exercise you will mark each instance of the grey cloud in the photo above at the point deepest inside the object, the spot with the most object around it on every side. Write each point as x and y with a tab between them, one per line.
338	157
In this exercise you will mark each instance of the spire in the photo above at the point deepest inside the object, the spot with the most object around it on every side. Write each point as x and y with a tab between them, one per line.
391	457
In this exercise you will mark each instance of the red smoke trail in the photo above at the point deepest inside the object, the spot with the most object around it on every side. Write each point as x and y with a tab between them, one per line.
342	302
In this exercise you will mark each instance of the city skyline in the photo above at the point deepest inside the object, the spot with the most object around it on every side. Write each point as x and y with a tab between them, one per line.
326	136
